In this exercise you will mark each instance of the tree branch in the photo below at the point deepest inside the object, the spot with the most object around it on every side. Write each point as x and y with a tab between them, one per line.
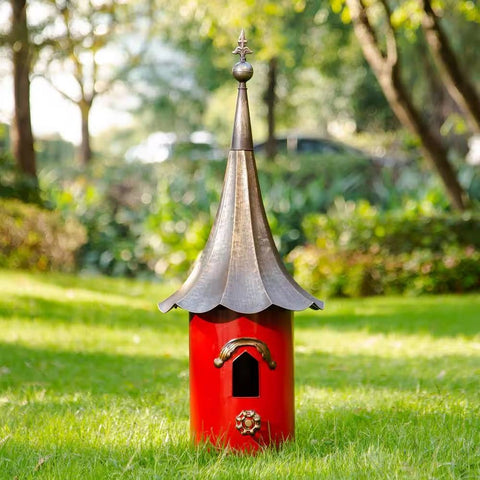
387	70
456	80
391	41
60	91
366	36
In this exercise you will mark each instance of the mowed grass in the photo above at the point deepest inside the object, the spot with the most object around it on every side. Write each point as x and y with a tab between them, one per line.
94	385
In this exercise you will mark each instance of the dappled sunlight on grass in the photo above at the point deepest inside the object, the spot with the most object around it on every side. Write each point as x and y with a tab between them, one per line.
73	290
392	345
94	384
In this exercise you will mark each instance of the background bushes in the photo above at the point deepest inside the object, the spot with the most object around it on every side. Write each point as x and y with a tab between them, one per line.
154	219
34	238
356	249
14	183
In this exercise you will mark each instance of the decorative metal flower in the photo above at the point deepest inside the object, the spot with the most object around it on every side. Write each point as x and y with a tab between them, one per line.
248	422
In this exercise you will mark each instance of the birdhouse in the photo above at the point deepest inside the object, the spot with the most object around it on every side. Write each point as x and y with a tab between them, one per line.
241	301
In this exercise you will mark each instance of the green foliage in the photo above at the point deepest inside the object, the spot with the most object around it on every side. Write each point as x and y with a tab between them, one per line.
141	219
34	238
54	151
357	250
15	184
146	219
111	201
294	186
309	94
357	96
94	384
182	213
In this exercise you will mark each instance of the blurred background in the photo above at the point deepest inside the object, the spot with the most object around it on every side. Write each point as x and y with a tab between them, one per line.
116	116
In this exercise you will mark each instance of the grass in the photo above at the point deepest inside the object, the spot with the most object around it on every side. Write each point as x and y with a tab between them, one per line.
94	385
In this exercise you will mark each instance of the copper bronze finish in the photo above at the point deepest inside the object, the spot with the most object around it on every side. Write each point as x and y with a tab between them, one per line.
240	267
242	134
242	48
229	348
243	72
248	422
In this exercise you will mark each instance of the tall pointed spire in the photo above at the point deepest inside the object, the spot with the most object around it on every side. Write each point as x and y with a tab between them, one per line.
243	72
240	267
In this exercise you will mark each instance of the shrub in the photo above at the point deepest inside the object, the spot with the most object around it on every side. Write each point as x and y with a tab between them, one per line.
111	201
15	184
34	238
356	250
293	187
146	218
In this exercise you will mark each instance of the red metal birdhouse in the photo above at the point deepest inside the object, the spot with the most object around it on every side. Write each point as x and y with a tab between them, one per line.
241	298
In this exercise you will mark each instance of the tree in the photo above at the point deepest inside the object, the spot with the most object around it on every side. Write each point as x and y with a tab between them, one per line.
84	28
86	31
169	97
454	77
21	50
276	31
387	66
270	100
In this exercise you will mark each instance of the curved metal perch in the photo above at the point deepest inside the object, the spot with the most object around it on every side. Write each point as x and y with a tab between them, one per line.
227	350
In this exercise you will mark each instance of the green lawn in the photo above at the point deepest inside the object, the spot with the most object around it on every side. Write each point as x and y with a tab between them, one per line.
94	385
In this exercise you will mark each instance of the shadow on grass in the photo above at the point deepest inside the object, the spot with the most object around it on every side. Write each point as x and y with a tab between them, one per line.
441	316
124	375
91	313
97	373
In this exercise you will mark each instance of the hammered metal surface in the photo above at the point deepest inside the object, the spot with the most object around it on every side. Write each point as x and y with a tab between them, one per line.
242	131
240	267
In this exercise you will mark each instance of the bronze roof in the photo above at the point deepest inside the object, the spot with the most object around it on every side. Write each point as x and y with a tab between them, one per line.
240	267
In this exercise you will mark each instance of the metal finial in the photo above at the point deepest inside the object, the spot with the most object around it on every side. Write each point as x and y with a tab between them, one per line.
242	48
242	70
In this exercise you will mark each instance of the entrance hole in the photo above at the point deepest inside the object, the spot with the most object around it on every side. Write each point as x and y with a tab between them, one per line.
245	381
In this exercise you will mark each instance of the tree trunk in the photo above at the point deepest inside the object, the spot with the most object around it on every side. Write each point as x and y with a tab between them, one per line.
85	148
270	101
442	102
386	67
456	81
432	145
439	97
22	137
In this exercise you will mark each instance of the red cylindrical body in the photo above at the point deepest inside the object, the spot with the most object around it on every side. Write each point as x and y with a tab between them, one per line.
217	392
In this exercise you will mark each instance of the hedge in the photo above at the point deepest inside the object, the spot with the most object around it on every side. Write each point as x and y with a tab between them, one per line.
34	238
356	250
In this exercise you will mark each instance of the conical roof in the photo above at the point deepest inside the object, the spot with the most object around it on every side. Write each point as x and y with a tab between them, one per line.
240	267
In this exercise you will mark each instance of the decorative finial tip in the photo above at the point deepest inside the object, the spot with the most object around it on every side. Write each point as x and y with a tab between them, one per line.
242	70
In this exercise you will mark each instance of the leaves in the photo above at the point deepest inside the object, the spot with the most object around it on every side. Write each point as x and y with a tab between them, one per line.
356	250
